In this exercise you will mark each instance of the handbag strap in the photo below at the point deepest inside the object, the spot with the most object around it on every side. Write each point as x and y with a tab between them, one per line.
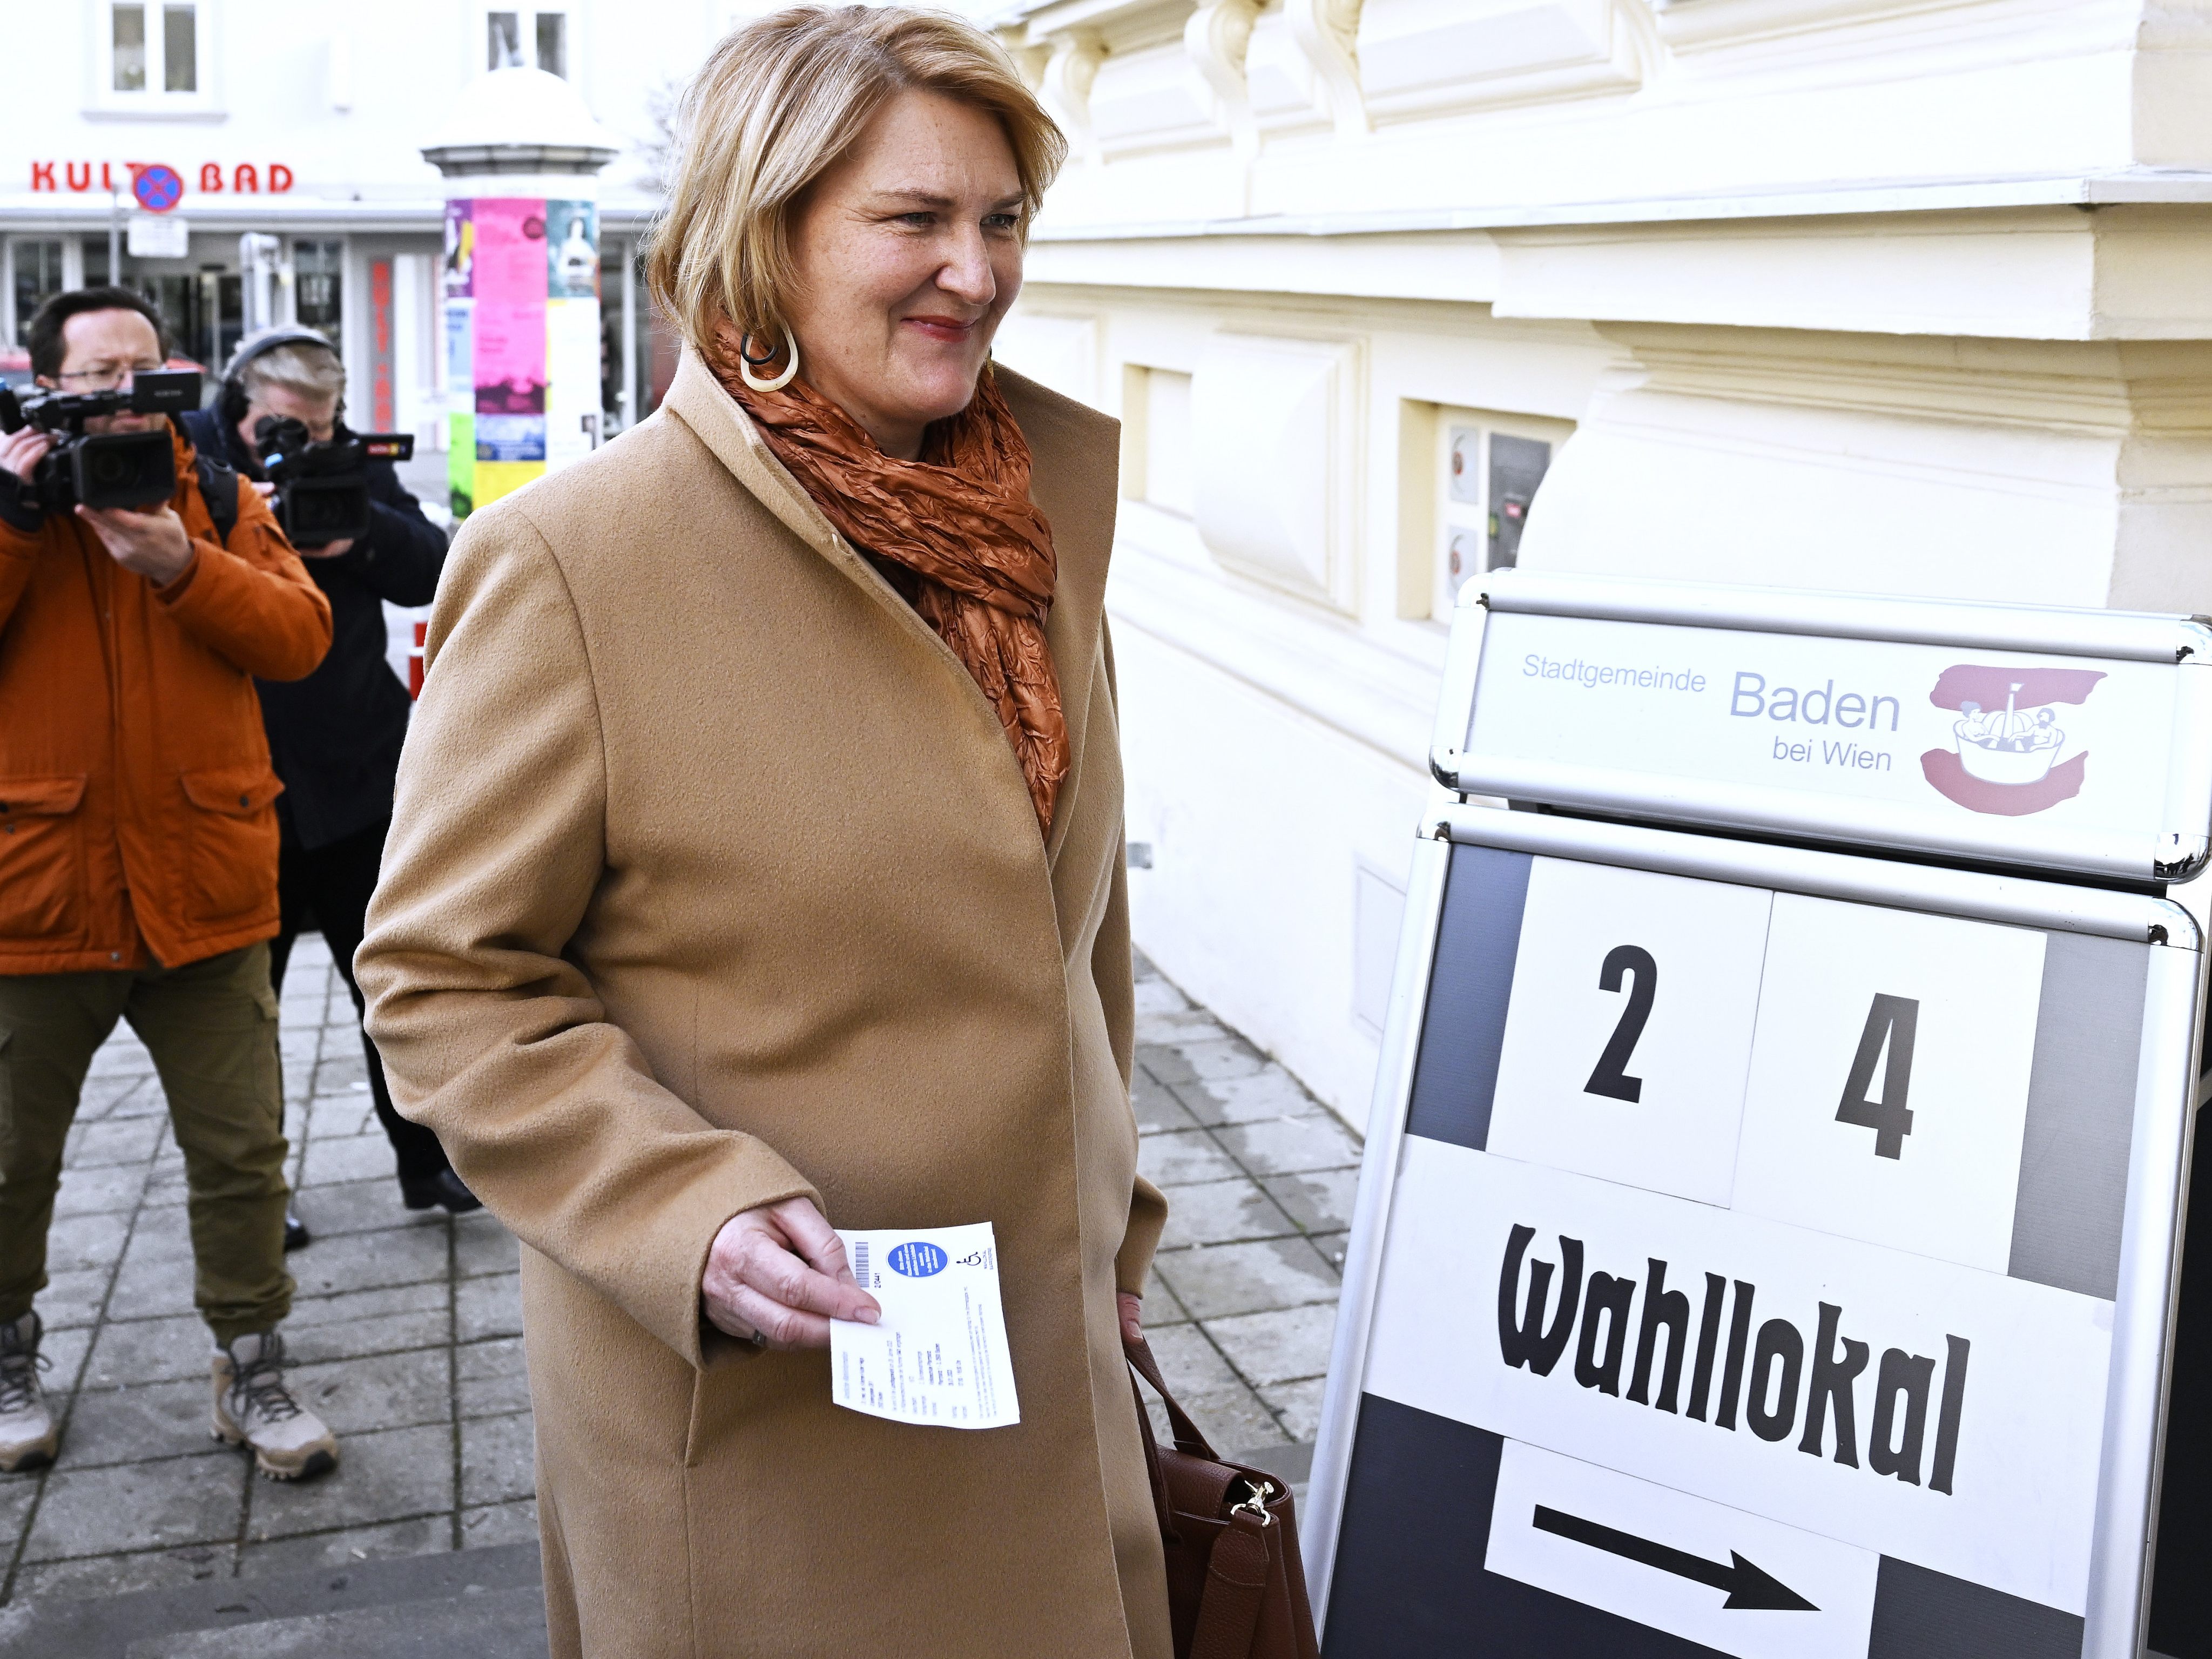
1153	1470
1236	1587
1187	1437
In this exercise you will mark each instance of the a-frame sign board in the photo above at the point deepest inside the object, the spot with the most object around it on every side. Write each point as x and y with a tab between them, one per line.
1767	1238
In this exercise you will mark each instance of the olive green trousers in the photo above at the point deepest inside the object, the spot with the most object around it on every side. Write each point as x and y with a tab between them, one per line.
212	1028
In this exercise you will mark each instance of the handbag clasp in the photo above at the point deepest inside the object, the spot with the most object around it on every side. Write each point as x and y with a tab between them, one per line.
1256	1501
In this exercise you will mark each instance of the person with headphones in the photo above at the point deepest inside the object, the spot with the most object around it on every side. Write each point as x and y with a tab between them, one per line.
335	736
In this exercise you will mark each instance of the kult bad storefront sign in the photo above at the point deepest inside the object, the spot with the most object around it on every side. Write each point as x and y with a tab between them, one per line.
1762	1248
522	340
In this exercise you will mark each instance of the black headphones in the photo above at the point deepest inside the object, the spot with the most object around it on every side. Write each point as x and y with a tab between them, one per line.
231	401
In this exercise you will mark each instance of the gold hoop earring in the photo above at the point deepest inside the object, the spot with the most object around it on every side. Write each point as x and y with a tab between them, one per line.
790	371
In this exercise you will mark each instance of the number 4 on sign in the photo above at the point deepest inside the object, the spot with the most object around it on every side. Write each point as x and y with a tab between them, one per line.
1890	1023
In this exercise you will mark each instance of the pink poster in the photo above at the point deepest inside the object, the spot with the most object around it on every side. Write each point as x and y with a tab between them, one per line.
510	355
510	248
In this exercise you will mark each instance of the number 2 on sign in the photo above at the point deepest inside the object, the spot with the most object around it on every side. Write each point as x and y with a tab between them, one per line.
1611	1079
1891	1022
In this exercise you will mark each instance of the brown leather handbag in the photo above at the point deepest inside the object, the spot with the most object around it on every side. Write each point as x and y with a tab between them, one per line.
1236	1588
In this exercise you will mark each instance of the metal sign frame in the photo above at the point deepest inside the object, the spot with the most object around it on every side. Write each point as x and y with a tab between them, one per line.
2164	1099
2179	850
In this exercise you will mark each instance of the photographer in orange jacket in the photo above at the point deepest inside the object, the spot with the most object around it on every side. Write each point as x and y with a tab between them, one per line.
138	864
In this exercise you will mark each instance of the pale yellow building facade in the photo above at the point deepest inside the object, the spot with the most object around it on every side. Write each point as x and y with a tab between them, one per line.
1905	296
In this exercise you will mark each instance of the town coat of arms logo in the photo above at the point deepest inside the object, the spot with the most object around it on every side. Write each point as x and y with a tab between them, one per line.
2010	753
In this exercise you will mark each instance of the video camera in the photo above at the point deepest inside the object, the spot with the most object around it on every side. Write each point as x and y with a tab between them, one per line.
322	489
107	469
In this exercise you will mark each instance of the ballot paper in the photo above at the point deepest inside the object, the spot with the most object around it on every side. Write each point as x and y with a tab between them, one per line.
939	1355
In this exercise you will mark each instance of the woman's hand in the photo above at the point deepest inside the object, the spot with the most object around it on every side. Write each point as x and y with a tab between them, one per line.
778	1275
1133	1321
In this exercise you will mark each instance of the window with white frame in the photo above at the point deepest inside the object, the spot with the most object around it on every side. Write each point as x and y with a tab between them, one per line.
154	57
528	37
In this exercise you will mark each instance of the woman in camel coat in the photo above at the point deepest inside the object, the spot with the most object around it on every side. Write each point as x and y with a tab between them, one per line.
758	860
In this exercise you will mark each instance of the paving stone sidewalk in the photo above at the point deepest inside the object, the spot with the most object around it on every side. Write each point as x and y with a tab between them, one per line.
1260	1178
407	1329
407	1325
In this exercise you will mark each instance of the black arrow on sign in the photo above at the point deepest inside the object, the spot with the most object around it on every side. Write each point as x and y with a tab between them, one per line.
1747	1587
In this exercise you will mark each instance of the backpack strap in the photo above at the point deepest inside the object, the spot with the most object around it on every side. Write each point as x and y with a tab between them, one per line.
219	489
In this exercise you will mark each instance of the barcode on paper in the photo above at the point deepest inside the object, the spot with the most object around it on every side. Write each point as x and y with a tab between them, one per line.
860	1262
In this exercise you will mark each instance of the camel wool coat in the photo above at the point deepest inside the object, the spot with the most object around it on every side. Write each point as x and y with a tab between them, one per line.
713	881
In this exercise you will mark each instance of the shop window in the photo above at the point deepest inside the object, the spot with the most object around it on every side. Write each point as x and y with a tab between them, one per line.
218	317
177	297
318	292
527	39
153	53
35	277
1489	468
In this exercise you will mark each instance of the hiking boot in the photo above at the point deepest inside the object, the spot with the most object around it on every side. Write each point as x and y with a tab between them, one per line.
27	1435
254	1408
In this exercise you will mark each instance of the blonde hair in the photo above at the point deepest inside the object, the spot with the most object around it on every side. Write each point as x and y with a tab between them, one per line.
781	101
300	366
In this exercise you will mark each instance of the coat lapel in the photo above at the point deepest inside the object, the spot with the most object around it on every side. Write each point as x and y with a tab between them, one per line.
697	399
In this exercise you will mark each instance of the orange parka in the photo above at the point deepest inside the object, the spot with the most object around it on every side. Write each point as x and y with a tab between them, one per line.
137	803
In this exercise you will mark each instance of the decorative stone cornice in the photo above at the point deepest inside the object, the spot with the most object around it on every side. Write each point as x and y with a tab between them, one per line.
1215	39
1065	87
1327	33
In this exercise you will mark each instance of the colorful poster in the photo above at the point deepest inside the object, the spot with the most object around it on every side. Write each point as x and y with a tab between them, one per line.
460	389
498	478
522	340
461	463
510	248
572	250
510	437
460	250
461	350
510	357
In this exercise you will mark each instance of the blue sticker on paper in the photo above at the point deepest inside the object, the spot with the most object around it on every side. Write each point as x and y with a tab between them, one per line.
917	1259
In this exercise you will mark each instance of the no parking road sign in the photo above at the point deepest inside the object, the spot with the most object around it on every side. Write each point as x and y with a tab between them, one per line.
157	188
1762	1248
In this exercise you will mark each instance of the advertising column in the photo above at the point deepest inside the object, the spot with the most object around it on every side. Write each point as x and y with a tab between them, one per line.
521	158
522	338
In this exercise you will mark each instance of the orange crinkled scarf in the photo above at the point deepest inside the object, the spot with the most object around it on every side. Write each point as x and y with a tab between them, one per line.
960	521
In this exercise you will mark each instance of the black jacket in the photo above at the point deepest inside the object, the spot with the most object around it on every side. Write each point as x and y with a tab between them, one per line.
335	736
